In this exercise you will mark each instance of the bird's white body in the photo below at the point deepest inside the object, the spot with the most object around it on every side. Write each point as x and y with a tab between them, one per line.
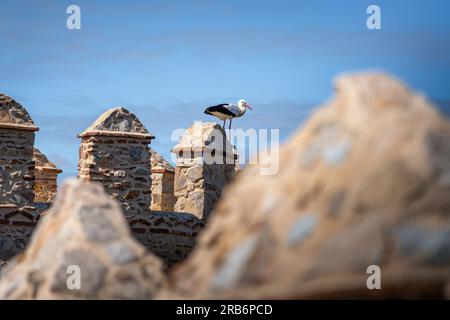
226	111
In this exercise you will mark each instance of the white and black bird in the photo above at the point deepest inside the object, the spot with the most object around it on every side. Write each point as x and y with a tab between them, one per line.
228	111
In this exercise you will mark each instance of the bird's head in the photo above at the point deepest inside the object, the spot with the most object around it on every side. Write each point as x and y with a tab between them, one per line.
243	104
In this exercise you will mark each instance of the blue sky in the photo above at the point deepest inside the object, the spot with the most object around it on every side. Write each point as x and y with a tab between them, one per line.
166	60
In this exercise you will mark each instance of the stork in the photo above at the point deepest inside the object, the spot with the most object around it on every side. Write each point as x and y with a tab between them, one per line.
227	111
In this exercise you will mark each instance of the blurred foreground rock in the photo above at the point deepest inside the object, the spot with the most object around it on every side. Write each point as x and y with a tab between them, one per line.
365	182
86	230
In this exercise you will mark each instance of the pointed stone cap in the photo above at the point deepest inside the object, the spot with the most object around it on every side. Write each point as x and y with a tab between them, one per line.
117	122
204	135
42	162
14	116
159	164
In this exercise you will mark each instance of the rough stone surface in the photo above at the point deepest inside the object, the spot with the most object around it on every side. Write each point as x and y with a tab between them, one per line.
163	175
169	235
16	226
158	162
17	166
364	182
46	175
301	229
120	160
18	211
117	121
13	115
112	266
206	163
431	245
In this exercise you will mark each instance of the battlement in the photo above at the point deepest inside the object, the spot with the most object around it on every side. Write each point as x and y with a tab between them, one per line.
165	207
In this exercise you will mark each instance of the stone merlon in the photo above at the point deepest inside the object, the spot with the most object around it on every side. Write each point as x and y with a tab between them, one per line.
42	163
159	164
114	152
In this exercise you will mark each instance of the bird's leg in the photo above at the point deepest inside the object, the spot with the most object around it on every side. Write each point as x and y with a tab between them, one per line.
223	127
231	120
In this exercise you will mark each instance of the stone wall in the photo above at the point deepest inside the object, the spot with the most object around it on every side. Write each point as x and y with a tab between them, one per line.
16	166
205	165
122	165
16	226
169	235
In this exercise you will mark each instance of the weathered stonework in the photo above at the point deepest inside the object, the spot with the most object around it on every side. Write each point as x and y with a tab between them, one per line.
163	175
16	153
169	235
205	164
114	152
18	212
46	174
84	229
16	226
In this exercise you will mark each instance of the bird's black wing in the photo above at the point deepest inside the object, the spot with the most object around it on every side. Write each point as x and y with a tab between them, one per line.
221	108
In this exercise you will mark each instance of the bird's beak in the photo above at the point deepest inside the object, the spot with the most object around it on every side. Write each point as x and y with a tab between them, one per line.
248	107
